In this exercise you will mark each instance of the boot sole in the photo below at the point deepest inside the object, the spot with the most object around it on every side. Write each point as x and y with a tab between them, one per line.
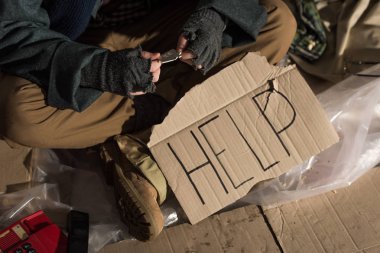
134	212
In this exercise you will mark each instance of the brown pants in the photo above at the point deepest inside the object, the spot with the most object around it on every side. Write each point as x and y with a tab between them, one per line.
28	121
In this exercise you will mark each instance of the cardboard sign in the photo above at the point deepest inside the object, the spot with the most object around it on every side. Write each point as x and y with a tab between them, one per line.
248	123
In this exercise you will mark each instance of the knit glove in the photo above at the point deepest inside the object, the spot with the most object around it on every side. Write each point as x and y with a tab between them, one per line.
204	30
120	72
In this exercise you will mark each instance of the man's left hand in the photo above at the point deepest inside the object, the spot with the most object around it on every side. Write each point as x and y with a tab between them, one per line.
201	40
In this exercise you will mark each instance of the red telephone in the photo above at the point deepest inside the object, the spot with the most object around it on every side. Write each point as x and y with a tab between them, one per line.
33	234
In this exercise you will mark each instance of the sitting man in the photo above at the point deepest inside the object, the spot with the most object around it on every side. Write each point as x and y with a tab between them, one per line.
65	86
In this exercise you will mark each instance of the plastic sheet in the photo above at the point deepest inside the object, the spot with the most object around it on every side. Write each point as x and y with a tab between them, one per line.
77	175
354	109
17	205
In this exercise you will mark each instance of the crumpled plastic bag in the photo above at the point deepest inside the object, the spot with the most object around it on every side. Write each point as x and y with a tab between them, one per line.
65	180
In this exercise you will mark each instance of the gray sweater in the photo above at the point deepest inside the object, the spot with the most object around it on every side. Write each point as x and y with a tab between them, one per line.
29	49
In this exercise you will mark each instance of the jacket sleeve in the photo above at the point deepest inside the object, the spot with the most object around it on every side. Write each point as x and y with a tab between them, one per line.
245	19
29	49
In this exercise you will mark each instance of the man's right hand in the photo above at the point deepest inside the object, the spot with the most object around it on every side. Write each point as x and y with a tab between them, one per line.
155	68
127	72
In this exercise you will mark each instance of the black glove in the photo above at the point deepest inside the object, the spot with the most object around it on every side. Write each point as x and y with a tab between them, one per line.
120	72
204	30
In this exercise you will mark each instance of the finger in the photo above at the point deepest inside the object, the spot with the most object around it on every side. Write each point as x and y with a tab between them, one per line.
189	61
155	56
186	55
155	66
156	76
182	43
149	55
146	55
137	93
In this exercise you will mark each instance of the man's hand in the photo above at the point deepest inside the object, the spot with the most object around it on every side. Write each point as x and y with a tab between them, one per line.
127	72
186	56
201	40
155	68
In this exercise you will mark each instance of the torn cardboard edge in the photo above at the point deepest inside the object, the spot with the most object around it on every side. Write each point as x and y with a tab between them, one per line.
184	114
248	123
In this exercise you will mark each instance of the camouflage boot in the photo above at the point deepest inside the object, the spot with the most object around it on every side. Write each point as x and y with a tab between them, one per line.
139	186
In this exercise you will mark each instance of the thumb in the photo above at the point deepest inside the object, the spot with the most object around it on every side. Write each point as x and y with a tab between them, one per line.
182	43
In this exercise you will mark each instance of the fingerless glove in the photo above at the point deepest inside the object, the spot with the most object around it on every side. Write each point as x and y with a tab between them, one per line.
120	72
204	30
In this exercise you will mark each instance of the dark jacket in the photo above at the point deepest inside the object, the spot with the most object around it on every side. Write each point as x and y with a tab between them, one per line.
29	49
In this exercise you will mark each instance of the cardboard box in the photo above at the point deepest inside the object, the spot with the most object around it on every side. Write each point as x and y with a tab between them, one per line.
343	221
248	123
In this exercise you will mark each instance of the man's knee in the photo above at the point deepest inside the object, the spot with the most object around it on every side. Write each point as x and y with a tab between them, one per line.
287	22
284	24
21	133
20	111
276	36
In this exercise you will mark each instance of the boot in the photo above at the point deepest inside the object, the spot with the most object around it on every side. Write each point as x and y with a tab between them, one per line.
139	186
